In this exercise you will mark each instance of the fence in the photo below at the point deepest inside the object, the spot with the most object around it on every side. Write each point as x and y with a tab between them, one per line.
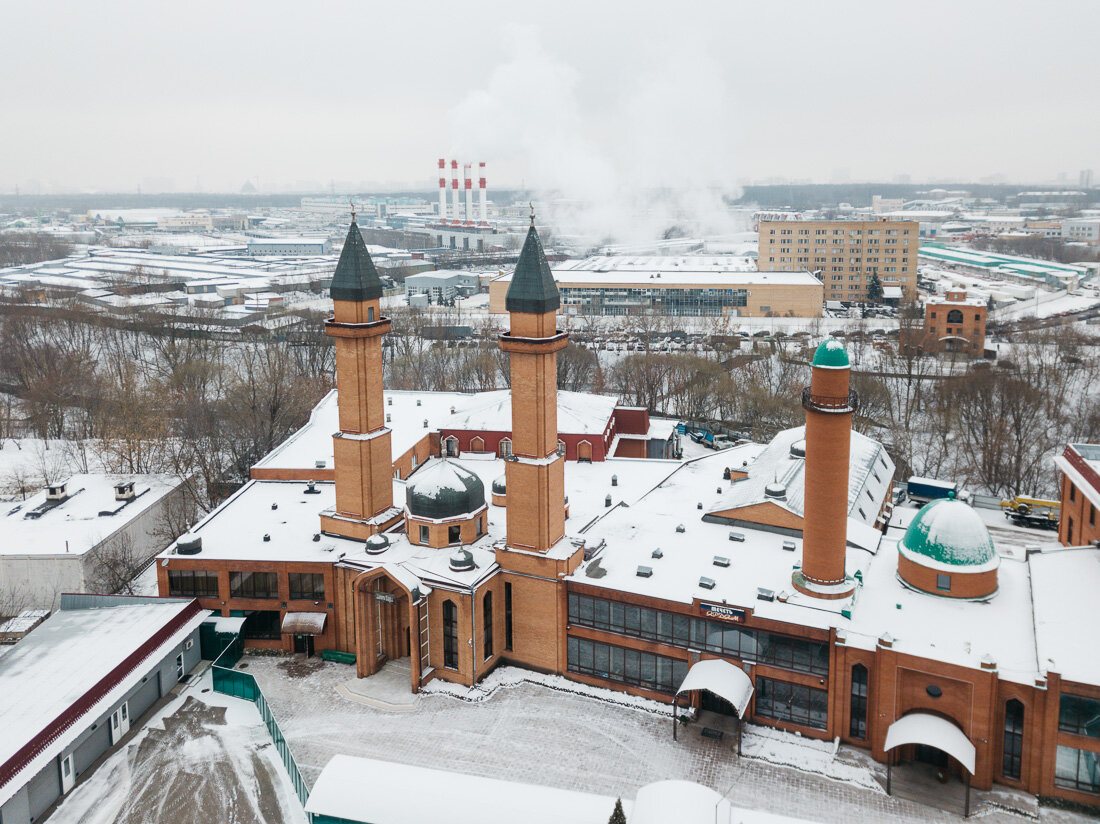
229	681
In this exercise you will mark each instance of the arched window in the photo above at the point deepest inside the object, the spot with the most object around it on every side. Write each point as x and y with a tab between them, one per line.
561	448
450	635
955	316
487	620
857	725
1014	739
506	447
452	447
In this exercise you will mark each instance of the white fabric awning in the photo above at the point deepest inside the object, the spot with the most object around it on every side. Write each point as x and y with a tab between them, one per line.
892	292
932	731
721	678
304	623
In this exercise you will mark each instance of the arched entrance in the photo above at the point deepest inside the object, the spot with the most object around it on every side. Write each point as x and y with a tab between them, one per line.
390	624
934	750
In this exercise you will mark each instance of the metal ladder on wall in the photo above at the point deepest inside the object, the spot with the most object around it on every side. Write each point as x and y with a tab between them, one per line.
425	647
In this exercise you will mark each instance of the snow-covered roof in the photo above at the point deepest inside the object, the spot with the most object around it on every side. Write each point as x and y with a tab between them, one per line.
1064	583
579	413
869	475
61	660
89	515
722	679
688	270
405	794
933	731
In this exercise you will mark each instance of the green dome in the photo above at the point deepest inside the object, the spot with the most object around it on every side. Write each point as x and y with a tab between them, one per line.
831	354
444	490
949	533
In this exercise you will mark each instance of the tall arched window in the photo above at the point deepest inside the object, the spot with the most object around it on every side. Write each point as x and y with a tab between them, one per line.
452	446
1014	739
857	725
561	448
506	447
487	620
450	635
954	316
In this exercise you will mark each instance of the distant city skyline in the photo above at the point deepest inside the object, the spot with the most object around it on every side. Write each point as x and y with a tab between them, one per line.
582	99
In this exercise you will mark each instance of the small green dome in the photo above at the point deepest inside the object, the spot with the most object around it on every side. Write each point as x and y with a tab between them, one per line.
831	354
444	490
949	532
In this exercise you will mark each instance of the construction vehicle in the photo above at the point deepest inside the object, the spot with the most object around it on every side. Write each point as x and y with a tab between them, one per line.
1038	513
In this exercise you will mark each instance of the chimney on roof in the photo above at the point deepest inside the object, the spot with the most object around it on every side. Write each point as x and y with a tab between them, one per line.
124	491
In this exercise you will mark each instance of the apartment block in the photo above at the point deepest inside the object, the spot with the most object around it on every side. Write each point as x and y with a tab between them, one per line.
845	254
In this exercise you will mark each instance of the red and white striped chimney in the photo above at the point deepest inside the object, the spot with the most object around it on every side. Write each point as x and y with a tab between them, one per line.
469	194
481	193
455	217
442	189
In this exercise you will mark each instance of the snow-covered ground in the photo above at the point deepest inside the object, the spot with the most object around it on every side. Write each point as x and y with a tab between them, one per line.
537	729
201	757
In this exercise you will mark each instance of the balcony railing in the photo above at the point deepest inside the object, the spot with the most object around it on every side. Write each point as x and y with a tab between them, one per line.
837	404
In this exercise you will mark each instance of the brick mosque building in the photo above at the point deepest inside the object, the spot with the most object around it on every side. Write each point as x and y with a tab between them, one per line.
776	583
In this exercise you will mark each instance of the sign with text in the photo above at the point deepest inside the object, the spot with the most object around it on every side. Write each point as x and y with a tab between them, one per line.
385	598
723	612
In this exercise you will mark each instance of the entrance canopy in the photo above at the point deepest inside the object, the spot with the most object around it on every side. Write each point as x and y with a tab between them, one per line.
932	731
721	678
304	623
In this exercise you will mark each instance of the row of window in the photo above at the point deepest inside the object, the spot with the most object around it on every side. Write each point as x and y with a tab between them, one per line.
450	627
303	586
626	666
683	631
1079	715
796	703
851	232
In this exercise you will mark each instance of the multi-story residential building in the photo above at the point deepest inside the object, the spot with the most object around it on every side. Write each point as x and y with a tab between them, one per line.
846	254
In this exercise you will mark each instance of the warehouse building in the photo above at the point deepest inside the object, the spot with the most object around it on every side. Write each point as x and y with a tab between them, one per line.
78	682
685	286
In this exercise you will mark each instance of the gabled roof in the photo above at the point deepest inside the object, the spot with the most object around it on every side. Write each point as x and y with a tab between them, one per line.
532	289
355	278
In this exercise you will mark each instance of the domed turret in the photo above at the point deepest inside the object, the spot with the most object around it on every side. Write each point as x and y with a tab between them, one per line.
500	491
947	551
831	354
444	490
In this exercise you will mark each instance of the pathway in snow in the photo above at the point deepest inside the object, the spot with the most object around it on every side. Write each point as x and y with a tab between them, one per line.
542	734
203	757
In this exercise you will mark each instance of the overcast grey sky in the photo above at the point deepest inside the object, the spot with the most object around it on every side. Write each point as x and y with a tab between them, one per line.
115	95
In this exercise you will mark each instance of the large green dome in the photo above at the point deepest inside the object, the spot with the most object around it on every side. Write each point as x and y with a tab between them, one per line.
831	354
444	489
949	533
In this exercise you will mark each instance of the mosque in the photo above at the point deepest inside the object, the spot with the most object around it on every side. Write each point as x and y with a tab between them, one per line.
778	583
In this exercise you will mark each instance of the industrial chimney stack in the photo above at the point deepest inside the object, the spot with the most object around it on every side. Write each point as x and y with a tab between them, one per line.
442	190
484	217
469	194
829	403
455	216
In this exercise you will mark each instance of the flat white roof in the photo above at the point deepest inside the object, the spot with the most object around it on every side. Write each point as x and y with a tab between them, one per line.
65	657
709	278
81	522
405	794
1064	583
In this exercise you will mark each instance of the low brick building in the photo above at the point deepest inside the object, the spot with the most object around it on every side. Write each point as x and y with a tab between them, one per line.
1079	467
954	323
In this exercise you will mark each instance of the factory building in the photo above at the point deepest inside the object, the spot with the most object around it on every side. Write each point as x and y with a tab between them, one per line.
687	286
806	601
847	253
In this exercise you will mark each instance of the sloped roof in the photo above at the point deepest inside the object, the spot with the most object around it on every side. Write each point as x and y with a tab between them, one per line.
532	289
355	278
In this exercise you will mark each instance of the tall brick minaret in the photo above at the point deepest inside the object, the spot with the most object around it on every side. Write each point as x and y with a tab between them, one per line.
829	402
364	486
536	474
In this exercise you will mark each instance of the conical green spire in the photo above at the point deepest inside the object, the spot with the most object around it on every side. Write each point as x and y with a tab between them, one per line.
355	278
532	289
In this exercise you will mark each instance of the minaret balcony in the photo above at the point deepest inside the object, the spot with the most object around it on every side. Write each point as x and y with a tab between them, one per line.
832	404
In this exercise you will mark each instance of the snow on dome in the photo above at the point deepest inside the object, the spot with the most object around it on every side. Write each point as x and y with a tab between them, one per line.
461	560
949	533
500	485
444	490
831	354
776	490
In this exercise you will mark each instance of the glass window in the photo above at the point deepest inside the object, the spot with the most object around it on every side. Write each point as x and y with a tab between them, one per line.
307	586
792	702
857	726
424	534
1079	715
1077	770
253	585
1014	739
628	666
262	624
454	534
508	616
943	582
195	583
487	620
450	635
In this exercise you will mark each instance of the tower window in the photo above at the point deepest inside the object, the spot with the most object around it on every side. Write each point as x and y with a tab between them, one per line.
454	534
424	534
450	635
370	314
1013	739
857	725
943	582
505	448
